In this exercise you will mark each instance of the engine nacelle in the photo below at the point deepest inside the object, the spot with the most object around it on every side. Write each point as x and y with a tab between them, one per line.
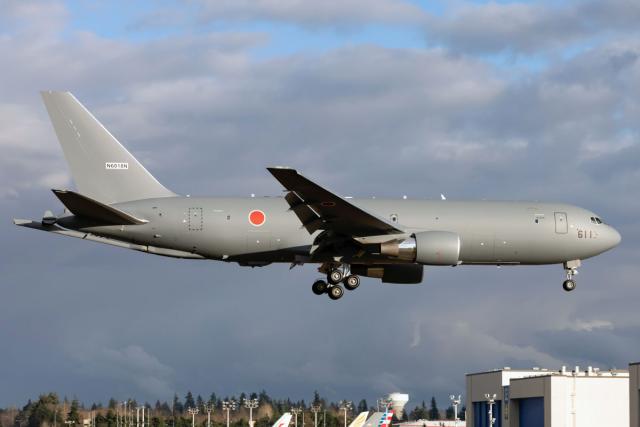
427	247
391	273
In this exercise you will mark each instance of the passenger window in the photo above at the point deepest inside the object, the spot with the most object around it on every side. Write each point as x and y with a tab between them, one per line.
394	217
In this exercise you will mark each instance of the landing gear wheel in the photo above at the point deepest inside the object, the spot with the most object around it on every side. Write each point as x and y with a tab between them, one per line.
319	287
351	282
569	285
336	292
335	276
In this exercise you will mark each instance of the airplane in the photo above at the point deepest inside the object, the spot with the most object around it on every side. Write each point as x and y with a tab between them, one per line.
118	202
283	421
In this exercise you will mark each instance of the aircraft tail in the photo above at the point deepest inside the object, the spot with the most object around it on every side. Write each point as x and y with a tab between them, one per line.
386	419
101	167
283	421
380	419
360	419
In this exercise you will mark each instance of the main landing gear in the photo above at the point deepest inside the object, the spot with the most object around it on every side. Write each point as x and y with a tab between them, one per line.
571	268
336	277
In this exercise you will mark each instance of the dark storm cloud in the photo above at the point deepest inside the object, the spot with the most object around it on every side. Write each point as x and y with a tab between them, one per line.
206	117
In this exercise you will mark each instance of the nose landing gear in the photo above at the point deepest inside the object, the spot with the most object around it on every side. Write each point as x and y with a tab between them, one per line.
571	268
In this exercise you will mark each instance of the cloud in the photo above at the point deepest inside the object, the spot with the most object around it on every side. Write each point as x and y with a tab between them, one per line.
131	364
525	28
206	116
329	13
591	325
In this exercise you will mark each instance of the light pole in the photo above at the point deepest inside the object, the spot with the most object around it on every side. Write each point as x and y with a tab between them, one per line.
383	403
295	412
251	404
193	412
345	406
491	400
209	408
229	405
315	409
455	402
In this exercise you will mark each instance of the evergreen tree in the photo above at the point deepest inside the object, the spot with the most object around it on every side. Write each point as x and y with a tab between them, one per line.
112	403
199	402
362	406
450	414
188	401
462	414
264	397
316	398
213	399
434	413
73	414
40	411
178	408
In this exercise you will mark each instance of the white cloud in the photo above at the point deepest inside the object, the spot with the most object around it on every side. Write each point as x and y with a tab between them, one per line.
525	28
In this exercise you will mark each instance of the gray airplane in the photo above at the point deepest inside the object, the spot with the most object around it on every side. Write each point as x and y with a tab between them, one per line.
118	202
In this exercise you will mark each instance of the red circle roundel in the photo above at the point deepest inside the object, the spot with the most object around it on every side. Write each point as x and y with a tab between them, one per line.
257	217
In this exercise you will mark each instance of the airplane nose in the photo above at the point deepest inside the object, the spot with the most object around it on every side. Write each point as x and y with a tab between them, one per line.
613	237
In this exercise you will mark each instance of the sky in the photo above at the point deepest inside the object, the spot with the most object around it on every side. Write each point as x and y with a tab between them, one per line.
477	100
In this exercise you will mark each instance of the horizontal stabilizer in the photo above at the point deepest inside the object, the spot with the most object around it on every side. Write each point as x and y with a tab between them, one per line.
86	207
155	250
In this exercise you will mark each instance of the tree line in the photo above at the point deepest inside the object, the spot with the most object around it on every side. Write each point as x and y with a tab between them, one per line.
49	411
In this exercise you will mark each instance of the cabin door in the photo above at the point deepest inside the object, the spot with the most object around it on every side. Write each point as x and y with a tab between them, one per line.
561	223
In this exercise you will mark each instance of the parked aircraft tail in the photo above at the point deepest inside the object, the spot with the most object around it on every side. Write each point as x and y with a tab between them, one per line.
360	419
101	167
386	419
283	421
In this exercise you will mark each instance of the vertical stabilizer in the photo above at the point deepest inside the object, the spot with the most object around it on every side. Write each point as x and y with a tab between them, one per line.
101	167
360	419
385	420
374	419
283	421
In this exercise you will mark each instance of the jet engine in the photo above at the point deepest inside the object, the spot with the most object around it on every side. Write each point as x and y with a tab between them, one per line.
426	247
391	273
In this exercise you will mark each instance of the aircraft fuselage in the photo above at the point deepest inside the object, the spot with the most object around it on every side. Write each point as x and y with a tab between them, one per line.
490	232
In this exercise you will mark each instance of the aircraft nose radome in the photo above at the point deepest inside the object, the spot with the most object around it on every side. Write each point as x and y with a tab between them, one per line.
613	237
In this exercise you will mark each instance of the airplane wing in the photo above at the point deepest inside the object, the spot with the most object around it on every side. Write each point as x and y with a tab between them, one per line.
320	209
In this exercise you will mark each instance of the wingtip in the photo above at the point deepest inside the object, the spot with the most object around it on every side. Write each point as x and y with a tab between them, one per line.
18	221
280	168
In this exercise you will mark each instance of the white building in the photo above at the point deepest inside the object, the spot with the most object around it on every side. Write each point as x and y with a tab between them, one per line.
543	398
634	394
432	423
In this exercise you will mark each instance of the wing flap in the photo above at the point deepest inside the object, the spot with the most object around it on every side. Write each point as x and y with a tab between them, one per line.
320	209
89	208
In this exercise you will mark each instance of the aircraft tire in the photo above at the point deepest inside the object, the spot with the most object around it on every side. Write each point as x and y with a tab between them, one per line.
335	277
569	285
336	292
351	282
319	287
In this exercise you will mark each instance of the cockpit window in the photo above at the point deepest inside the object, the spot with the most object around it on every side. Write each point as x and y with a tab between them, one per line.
596	220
